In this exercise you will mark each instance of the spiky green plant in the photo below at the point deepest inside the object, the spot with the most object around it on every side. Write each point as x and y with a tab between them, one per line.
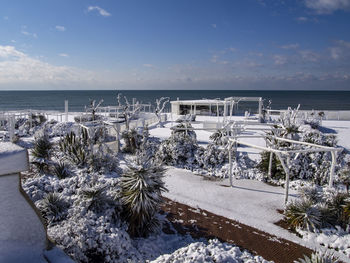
303	214
74	148
310	193
95	197
141	189
346	211
42	152
53	207
318	258
60	169
336	206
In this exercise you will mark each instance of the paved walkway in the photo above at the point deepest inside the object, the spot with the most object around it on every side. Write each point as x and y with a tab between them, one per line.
202	223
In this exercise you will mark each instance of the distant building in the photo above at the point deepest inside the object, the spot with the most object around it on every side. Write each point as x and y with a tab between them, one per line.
215	107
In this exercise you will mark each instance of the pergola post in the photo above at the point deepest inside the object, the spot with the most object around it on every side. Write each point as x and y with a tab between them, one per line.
269	173
260	110
334	158
286	170
230	161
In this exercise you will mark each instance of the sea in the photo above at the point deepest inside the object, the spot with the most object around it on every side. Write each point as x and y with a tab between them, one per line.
78	99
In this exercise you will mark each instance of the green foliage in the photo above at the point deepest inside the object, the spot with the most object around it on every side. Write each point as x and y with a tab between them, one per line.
303	214
141	188
60	169
336	205
42	152
53	207
94	196
277	171
318	258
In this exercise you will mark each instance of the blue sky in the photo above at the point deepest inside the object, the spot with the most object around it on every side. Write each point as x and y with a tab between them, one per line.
168	44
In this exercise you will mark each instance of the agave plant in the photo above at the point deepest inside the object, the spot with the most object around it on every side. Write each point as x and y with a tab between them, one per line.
303	214
318	258
61	170
141	189
53	207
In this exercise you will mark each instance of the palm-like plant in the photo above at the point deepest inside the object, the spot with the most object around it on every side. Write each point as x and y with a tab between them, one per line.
318	258
141	189
303	214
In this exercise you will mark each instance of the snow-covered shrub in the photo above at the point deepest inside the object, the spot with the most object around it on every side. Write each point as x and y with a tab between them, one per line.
212	156
103	160
318	258
211	251
132	141
303	214
149	145
336	205
180	148
141	188
90	237
53	207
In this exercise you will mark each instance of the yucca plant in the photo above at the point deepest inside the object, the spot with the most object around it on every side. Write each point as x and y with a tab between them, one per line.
95	197
53	207
303	214
73	147
60	169
141	189
318	258
41	152
346	211
311	193
336	206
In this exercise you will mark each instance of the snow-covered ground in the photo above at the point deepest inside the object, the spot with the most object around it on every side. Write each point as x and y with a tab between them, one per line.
250	202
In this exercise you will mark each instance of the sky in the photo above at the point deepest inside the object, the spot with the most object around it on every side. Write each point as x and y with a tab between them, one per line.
175	44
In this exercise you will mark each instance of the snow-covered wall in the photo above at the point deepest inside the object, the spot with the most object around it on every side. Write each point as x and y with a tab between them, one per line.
20	227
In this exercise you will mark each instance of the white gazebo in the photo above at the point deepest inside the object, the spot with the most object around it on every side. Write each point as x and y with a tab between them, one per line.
213	107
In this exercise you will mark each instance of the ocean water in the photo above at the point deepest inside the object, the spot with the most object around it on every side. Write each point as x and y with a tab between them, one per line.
54	100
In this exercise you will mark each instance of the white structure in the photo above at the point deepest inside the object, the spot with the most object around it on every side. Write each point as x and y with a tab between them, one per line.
22	230
214	107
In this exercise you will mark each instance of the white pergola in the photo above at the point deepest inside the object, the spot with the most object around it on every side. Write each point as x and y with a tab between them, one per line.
283	155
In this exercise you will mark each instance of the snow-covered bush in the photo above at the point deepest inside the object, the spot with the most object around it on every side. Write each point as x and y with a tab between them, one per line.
90	237
180	148
212	156
211	251
141	189
132	140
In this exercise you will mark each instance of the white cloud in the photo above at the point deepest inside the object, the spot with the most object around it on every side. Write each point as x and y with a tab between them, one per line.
18	67
327	6
340	50
290	46
100	10
64	55
60	28
26	33
148	65
301	19
310	56
279	59
213	25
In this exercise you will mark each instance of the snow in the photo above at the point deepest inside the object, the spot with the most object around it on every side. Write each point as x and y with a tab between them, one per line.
13	159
